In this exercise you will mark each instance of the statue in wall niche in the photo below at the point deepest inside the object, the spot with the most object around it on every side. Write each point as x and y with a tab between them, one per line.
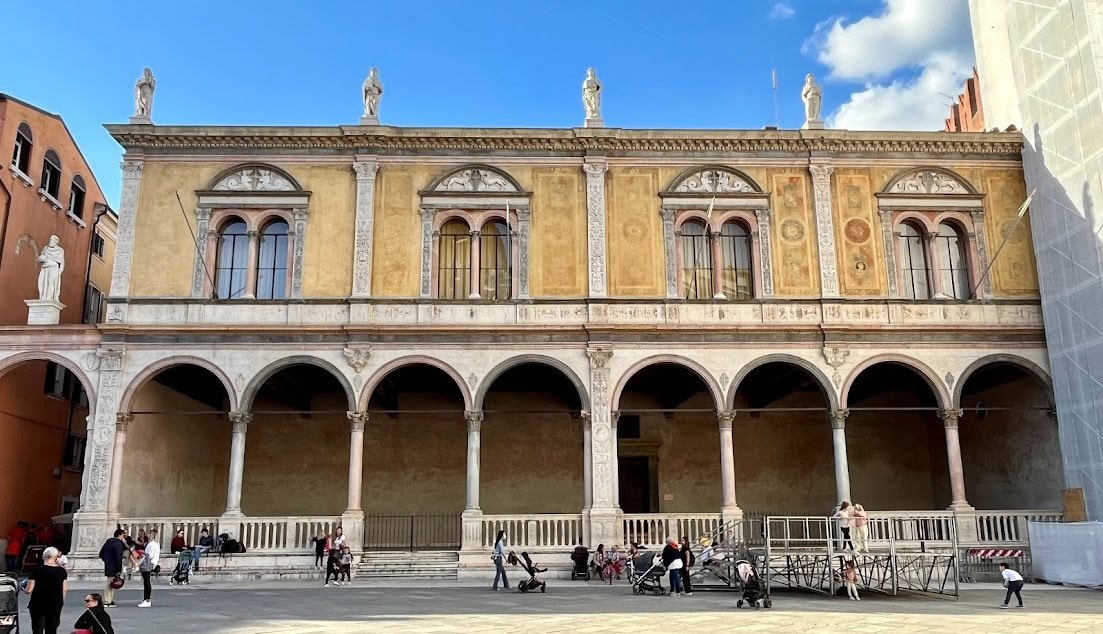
373	92
591	95
52	262
143	94
812	96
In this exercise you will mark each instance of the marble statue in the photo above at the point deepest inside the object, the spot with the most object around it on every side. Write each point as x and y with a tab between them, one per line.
52	262
812	95
591	95
373	92
143	95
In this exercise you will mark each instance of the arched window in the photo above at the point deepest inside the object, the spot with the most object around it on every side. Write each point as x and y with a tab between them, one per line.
232	261
454	261
913	263
51	173
736	275
272	261
950	255
21	157
696	261
76	197
494	269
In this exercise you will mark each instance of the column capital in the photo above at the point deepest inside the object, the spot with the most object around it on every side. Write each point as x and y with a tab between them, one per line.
595	168
949	417
614	418
123	420
838	418
357	420
474	421
821	170
365	170
725	417
240	421
599	357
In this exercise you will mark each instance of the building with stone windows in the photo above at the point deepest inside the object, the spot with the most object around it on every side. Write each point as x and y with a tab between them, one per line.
583	335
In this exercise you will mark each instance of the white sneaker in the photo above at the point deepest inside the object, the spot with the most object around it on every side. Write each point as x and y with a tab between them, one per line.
145	604
857	598
1003	606
327	585
851	598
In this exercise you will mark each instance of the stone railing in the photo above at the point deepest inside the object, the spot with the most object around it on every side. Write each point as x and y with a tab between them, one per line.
166	527
1009	527
551	531
284	534
652	529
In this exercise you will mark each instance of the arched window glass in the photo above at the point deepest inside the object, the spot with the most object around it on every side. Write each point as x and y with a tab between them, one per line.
494	269
51	173
76	197
696	261
21	157
272	261
454	261
232	260
736	274
953	275
913	263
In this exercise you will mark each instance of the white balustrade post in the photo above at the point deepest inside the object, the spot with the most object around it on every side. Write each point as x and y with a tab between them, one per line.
842	467
472	514
729	509
352	520
122	423
231	518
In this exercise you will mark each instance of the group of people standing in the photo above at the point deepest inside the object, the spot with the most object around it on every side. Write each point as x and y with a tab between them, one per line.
678	559
337	555
121	553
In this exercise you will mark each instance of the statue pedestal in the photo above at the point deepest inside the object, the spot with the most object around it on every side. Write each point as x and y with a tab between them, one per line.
369	120
43	312
813	124
595	123
141	120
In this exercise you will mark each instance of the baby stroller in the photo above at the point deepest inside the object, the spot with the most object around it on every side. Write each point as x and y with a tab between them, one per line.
581	558
646	574
755	593
182	573
9	603
532	583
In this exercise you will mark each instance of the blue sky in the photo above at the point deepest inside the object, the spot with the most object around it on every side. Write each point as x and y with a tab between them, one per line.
882	63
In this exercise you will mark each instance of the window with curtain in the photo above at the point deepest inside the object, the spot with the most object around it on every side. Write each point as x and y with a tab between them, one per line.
454	261
76	197
736	273
494	265
696	261
232	261
21	157
51	173
272	261
913	263
950	249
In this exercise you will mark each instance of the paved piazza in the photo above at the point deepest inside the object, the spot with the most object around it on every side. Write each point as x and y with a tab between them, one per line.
574	607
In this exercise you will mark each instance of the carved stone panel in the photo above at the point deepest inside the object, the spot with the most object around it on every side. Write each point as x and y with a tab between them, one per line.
714	181
426	252
928	182
365	218
300	251
524	228
255	179
124	244
595	222
763	217
102	434
825	229
670	251
199	269
604	446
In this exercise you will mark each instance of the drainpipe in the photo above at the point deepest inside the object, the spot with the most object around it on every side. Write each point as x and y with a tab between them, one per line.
99	209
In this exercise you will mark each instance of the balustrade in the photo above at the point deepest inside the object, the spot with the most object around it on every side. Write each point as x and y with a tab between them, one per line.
534	531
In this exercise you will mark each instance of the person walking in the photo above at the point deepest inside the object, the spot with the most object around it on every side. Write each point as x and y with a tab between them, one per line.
499	557
112	555
672	561
149	566
687	561
16	537
850	576
47	586
94	619
860	527
842	516
1013	581
333	567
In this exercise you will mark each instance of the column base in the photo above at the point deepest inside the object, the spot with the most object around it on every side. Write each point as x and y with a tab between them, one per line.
472	536
965	521
352	524
606	526
229	523
90	531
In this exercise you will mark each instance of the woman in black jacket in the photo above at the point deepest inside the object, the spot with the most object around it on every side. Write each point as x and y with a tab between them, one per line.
95	616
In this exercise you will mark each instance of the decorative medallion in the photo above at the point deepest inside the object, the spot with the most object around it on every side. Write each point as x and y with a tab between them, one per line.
792	230
857	230
950	379
1012	233
633	232
472	380
724	379
357	358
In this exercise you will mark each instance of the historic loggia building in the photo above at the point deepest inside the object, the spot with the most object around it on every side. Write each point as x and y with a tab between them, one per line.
424	334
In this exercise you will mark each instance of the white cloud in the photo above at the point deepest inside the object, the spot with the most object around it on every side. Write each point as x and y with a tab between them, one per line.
782	11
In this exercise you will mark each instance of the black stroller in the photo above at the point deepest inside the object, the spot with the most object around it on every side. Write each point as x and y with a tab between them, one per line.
646	573
182	573
581	558
533	582
755	593
9	603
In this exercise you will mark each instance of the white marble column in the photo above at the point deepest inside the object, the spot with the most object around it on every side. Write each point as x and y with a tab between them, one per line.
614	418
474	445
357	421
595	225
476	277
587	462
365	226
605	525
953	459
251	266
240	422
729	507
842	466
122	423
825	228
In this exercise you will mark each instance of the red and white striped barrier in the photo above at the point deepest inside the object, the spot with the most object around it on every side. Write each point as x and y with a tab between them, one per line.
988	553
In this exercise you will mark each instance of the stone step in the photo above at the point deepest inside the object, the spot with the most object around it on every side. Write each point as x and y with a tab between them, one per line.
440	565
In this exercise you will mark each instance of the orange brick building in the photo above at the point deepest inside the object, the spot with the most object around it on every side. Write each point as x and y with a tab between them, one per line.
967	115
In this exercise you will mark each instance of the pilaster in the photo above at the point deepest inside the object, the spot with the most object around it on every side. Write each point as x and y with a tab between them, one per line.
427	251
90	522
595	225
604	514
890	250
670	250
764	252
199	268
300	215
825	228
981	242
124	242
365	226
524	227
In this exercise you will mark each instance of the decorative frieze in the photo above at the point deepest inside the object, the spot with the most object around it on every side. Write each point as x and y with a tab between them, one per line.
300	215
98	474
890	250
595	225
825	228
427	251
524	228
365	220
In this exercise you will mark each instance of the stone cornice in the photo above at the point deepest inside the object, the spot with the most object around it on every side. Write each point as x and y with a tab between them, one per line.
137	139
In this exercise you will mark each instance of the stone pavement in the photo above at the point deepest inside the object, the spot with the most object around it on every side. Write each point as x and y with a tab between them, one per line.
263	607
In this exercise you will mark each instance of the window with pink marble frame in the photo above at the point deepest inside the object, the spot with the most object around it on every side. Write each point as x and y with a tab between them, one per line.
476	220
255	221
714	228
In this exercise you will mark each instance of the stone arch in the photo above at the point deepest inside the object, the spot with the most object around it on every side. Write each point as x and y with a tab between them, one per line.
254	177
475	177
689	364
7	363
250	391
151	370
713	179
938	387
401	362
929	180
487	381
1031	368
811	368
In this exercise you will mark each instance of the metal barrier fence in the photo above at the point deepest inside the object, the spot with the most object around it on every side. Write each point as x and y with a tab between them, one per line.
412	532
979	564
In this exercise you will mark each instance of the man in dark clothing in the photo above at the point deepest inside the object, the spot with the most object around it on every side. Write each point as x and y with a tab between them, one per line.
206	543
112	555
